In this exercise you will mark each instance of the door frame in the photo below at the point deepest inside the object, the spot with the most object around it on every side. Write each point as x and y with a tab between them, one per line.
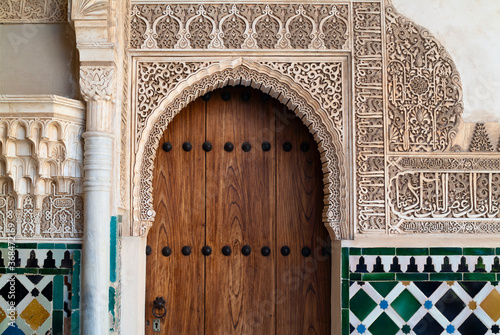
268	74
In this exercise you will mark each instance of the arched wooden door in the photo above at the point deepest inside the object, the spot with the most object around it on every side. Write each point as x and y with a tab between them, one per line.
238	173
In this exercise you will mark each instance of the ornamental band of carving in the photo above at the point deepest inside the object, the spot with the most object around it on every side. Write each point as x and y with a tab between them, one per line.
41	169
265	78
369	116
34	11
444	194
322	80
438	195
240	26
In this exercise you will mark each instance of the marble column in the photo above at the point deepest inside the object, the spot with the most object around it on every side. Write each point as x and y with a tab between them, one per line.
96	84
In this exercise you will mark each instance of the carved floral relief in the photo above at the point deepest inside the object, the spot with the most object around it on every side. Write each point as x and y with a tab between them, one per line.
34	11
406	106
424	89
240	26
40	175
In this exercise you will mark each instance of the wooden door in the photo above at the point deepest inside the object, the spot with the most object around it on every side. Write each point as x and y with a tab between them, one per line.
258	190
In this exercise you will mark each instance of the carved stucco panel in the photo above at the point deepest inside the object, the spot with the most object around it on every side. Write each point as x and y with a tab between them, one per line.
424	89
240	26
369	116
33	11
261	76
40	174
406	98
448	195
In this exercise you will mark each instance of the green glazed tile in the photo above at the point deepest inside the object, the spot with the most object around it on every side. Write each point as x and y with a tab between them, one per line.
446	251
383	288
498	251
60	246
412	276
75	322
112	250
498	276
479	251
355	276
3	270
480	276
384	326
355	251
26	245
362	305
345	263
378	276
406	305
445	276
55	271
75	287
379	251
45	245
4	245
345	293
345	322
26	270
412	251
74	246
58	287
57	322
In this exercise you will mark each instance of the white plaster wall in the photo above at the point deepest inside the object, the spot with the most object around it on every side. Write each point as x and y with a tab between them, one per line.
470	31
38	59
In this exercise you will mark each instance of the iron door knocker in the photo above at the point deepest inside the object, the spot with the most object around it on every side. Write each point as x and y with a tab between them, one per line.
159	303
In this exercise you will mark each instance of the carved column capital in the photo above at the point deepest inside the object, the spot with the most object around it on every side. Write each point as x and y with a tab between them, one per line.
97	82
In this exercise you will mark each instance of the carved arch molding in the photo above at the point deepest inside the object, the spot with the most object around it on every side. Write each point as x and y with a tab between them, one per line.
380	94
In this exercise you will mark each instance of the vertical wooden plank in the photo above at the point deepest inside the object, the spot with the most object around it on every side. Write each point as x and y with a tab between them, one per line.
179	202
240	211
303	283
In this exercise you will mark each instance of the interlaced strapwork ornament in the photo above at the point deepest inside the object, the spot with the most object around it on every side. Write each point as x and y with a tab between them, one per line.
424	90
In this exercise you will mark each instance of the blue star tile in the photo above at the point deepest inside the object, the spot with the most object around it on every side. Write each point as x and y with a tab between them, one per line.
428	304
384	304
361	329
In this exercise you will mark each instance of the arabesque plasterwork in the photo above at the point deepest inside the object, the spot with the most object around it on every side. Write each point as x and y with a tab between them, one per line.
34	11
240	26
41	194
201	77
397	106
369	116
448	195
424	92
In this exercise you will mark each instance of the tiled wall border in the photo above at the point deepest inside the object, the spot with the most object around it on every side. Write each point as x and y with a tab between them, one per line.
408	265
63	268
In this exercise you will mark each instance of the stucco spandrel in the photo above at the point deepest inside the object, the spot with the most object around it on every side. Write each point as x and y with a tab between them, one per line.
469	31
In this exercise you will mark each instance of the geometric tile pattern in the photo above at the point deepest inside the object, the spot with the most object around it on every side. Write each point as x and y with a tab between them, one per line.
44	288
421	264
420	291
446	311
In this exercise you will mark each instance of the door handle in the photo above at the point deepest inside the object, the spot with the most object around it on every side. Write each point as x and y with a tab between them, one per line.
159	304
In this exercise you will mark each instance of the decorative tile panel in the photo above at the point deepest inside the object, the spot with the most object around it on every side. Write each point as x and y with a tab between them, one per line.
422	290
45	282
